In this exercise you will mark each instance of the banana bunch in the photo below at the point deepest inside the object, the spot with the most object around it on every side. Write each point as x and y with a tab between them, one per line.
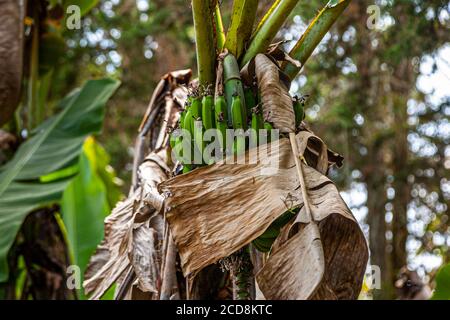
239	108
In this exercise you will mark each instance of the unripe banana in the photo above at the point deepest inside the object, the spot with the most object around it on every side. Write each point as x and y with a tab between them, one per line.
189	123
299	112
238	121
256	125
208	112
198	137
233	86
220	112
268	126
196	107
250	101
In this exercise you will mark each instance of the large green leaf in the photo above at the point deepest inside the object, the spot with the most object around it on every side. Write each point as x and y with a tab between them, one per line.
442	291
54	145
86	202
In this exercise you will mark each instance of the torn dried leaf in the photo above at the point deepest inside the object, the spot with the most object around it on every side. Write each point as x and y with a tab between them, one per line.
127	234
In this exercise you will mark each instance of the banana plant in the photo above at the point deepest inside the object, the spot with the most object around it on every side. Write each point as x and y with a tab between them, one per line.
240	85
220	57
42	167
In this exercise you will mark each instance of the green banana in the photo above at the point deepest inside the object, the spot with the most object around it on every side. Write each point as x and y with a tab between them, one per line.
237	113
198	136
256	125
238	122
299	112
208	112
264	242
233	87
220	113
250	101
268	126
196	107
188	123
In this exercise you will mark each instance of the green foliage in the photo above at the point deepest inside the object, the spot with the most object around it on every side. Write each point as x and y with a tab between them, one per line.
442	291
87	200
54	145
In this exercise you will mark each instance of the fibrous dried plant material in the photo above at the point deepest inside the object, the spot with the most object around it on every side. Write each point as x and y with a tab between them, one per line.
340	248
144	257
162	113
300	262
344	247
133	236
12	14
273	86
226	206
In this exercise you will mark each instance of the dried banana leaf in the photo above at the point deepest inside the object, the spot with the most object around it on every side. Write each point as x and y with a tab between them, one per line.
133	233
344	246
144	258
162	113
274	89
215	210
303	272
228	205
338	235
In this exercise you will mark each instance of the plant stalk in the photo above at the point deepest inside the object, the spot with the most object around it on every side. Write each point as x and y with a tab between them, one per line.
204	39
220	33
314	34
267	31
240	30
243	277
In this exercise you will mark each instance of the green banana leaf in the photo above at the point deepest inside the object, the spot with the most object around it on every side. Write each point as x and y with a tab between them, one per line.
87	200
442	291
54	145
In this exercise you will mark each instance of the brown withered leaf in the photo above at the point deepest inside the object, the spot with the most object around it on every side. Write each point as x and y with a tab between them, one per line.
145	257
273	85
161	116
344	247
226	206
126	231
215	210
276	101
303	272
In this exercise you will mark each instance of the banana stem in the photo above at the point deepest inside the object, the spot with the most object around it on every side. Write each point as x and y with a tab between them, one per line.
233	85
242	274
266	16
204	39
242	20
269	28
314	34
220	33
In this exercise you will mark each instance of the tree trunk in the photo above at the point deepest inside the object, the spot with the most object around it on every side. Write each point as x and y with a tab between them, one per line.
400	84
